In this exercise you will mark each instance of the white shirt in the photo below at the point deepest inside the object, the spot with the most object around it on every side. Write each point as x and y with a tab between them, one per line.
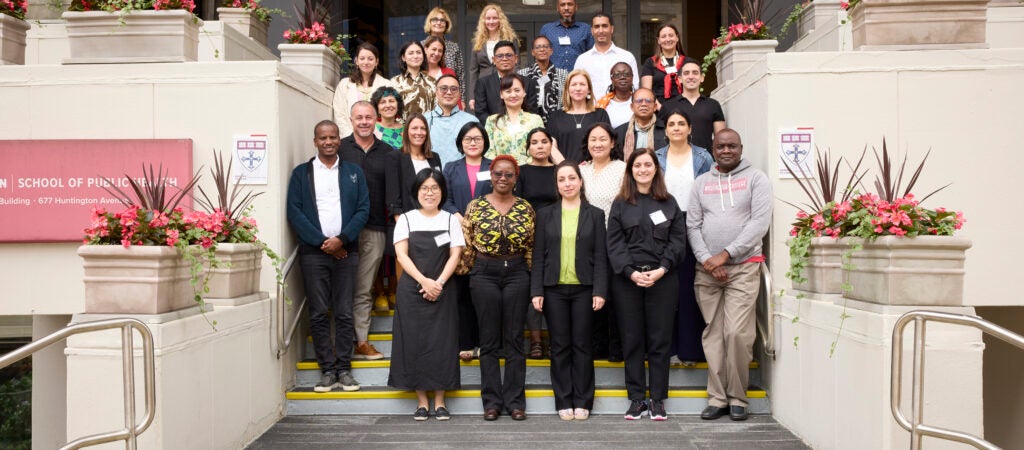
679	181
443	223
418	164
599	66
328	196
603	186
619	112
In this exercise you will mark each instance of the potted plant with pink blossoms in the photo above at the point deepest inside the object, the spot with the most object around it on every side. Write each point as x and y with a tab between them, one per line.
249	17
131	31
12	31
310	49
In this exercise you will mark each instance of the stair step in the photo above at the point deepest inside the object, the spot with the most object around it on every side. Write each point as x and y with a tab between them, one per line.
538	372
380	341
381	400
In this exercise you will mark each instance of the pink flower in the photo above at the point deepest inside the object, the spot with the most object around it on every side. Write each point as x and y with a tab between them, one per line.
844	5
172	237
206	242
897	231
818	222
801	215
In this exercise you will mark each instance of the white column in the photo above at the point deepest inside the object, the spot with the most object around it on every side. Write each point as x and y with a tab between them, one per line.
49	385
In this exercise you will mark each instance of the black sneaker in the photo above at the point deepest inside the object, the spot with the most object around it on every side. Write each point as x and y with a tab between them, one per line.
441	413
328	381
347	382
637	409
658	410
420	414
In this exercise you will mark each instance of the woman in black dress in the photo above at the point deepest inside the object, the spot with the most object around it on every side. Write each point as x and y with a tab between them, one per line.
646	242
570	125
429	243
537	185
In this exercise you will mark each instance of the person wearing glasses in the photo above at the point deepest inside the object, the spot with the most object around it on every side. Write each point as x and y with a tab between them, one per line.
438	24
467	178
617	102
644	129
569	125
492	28
428	244
646	242
488	89
545	77
498	228
447	119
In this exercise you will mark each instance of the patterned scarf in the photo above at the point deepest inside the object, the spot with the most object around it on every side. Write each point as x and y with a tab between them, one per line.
631	128
659	63
550	102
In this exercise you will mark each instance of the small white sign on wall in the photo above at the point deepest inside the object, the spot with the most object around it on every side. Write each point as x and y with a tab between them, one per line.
250	159
796	151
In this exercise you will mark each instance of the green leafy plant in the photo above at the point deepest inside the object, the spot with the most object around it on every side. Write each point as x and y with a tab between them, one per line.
16	413
262	13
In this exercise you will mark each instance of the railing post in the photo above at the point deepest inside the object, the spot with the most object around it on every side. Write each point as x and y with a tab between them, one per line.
918	392
128	361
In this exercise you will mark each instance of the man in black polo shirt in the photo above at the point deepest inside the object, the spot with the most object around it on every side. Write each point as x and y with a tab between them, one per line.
365	150
705	113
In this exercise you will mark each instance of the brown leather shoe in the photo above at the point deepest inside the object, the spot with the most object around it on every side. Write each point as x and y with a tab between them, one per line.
366	351
491	414
518	414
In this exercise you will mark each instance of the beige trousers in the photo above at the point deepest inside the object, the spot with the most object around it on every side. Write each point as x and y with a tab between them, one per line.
371	252
729	310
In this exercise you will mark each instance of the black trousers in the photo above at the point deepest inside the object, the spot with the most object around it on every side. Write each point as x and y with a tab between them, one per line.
568	309
605	336
469	334
646	317
329	286
500	291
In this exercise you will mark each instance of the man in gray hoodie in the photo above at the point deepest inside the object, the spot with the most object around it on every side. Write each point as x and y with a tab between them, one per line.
728	215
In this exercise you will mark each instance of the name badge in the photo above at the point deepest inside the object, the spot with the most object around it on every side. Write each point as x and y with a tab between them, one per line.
670	70
442	239
564	40
658	217
544	79
483	175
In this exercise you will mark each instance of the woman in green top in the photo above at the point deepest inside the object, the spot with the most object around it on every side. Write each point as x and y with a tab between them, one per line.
568	282
389	106
507	131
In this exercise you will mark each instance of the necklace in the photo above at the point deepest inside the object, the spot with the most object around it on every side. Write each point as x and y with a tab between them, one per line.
579	123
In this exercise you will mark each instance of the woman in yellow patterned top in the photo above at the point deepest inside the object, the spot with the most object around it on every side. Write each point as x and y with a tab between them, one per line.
498	228
507	131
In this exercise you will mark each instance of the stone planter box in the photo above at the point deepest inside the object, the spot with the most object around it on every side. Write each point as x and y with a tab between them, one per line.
97	37
315	61
12	40
925	270
135	280
824	271
239	274
245	22
918	24
738	56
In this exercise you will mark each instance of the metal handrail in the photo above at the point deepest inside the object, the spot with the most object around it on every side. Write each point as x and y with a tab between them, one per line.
132	429
285	340
766	323
917	429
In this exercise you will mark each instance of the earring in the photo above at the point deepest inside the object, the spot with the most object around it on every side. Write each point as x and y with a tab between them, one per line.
588	96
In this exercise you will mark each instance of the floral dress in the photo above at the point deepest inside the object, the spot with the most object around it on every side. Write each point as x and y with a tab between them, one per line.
509	137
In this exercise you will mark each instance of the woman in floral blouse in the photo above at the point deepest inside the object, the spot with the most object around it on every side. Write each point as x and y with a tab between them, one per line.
413	84
507	131
498	228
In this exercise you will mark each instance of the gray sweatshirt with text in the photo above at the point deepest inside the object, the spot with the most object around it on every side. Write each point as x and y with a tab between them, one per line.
729	211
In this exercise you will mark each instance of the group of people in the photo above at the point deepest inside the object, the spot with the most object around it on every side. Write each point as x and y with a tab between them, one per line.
552	201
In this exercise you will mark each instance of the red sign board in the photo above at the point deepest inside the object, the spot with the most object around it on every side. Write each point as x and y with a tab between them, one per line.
49	187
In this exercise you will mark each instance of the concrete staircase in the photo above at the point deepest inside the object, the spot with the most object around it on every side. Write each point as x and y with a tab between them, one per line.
687	394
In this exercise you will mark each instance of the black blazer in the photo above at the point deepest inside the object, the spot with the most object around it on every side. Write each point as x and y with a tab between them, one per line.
591	250
488	97
457	178
400	178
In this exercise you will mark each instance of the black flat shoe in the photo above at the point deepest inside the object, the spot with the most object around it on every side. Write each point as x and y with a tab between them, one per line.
713	412
737	412
441	413
420	414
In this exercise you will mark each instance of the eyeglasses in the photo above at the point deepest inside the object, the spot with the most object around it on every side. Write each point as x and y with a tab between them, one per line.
542	47
438	20
641	101
448	89
473	139
622	75
504	56
430	189
500	175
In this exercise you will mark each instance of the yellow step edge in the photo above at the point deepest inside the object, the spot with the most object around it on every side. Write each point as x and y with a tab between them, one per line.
472	393
386	363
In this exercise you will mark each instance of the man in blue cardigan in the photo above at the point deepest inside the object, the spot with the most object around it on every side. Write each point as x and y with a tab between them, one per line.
328	205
